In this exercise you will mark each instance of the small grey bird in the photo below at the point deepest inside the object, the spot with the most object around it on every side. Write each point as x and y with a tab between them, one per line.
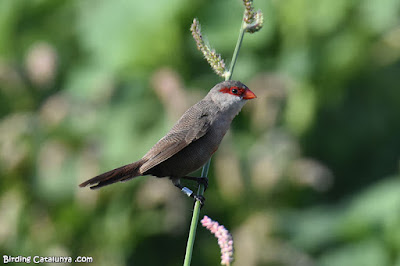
190	142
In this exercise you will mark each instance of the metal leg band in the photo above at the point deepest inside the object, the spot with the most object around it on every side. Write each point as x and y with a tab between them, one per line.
187	191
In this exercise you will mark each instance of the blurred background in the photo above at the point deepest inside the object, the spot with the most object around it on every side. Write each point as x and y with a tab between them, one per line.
307	175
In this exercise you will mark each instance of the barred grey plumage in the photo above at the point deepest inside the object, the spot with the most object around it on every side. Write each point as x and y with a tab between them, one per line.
190	142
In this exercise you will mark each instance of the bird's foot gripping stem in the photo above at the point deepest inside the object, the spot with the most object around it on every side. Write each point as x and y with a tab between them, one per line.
188	192
199	180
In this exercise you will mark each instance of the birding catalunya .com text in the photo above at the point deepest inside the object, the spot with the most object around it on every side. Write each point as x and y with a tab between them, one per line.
49	259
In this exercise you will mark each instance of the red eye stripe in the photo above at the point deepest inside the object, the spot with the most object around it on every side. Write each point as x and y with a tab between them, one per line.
230	90
225	90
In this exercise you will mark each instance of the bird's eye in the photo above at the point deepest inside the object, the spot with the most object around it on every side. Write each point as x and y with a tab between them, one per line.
234	91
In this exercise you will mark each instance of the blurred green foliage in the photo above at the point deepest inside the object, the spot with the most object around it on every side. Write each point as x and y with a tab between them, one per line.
308	175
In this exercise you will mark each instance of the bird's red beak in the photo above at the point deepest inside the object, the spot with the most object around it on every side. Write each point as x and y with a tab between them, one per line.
248	94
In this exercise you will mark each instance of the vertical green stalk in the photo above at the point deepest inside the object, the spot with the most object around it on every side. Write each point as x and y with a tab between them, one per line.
204	172
236	52
195	218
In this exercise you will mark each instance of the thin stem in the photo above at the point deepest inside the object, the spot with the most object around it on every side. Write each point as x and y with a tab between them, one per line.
195	218
204	172
236	52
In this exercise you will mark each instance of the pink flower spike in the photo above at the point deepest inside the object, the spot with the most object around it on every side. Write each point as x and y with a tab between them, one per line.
225	240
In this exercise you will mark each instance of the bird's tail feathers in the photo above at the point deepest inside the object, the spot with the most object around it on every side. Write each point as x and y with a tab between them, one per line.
123	173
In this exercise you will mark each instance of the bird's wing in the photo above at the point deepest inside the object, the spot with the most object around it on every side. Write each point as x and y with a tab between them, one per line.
194	124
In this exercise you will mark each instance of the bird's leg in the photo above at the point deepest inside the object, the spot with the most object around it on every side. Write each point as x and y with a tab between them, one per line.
188	192
199	180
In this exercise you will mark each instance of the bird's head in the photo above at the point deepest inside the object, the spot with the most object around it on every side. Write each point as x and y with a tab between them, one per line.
230	92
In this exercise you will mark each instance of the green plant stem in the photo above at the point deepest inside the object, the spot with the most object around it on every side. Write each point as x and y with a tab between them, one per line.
236	52
195	218
204	172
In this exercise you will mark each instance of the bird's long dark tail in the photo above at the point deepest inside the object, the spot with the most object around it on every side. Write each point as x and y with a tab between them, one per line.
122	173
